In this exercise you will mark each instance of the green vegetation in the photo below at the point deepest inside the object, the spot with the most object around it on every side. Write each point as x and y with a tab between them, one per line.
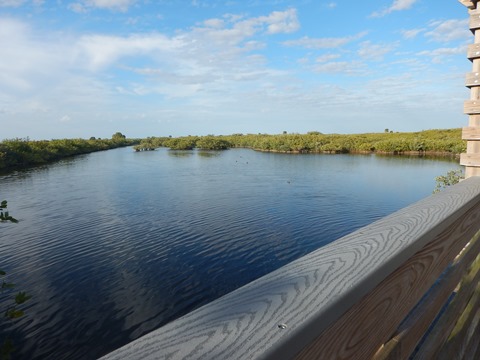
12	310
451	178
4	215
182	143
430	141
151	143
209	142
212	143
18	153
423	142
118	136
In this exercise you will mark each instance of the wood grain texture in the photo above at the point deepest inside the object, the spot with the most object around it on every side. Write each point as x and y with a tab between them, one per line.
470	160
309	294
472	171
471	133
471	107
474	343
473	51
360	332
472	79
411	331
431	348
458	342
474	22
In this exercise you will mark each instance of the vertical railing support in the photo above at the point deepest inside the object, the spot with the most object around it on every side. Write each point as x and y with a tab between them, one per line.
471	160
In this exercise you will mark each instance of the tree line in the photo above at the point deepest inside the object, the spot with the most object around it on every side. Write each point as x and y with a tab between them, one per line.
209	142
429	141
18	153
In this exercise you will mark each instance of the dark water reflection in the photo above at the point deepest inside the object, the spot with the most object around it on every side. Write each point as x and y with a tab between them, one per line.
115	244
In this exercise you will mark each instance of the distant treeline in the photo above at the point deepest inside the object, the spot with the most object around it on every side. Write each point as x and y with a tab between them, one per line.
424	142
186	143
19	153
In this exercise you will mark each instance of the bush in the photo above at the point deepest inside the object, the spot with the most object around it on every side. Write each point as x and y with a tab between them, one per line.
212	143
451	178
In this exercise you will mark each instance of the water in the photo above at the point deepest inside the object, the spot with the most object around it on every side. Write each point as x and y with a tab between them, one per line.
114	244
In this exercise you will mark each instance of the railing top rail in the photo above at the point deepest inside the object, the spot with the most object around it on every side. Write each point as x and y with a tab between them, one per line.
280	313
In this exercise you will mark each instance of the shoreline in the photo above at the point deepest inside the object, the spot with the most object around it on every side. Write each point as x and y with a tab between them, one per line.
363	152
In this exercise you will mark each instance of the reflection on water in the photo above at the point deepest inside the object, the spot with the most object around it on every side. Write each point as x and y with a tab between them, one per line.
208	153
114	244
180	153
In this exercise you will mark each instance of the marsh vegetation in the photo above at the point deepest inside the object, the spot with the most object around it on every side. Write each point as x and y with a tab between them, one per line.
20	153
423	142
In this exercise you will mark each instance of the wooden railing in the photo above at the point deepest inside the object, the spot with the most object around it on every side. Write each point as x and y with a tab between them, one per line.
372	294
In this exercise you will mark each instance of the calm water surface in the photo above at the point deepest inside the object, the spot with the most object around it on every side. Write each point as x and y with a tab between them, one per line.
114	244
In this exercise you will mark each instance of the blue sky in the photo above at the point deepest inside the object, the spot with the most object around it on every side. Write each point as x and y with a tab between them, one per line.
156	68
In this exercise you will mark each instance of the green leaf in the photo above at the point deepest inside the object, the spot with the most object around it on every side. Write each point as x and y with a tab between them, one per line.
7	285
14	313
6	217
22	297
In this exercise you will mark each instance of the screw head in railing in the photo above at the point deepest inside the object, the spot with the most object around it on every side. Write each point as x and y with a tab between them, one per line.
282	326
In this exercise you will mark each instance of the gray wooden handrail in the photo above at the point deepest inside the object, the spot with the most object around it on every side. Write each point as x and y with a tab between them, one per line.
282	313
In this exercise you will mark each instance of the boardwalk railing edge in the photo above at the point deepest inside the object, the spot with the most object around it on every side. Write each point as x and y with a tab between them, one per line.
379	268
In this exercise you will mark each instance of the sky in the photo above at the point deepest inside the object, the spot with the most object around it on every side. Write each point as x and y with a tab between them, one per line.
76	69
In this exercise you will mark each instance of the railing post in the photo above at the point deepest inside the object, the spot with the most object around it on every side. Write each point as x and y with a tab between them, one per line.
471	160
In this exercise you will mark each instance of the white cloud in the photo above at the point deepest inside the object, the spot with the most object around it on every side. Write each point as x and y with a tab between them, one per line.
215	46
411	34
441	54
233	30
47	86
121	5
115	5
374	52
78	8
11	3
281	22
344	67
397	5
402	5
213	69
100	51
327	57
323	43
17	3
73	74
65	118
214	23
17	71
449	30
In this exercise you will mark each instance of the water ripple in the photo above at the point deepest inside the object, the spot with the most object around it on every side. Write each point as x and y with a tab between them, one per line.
112	247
